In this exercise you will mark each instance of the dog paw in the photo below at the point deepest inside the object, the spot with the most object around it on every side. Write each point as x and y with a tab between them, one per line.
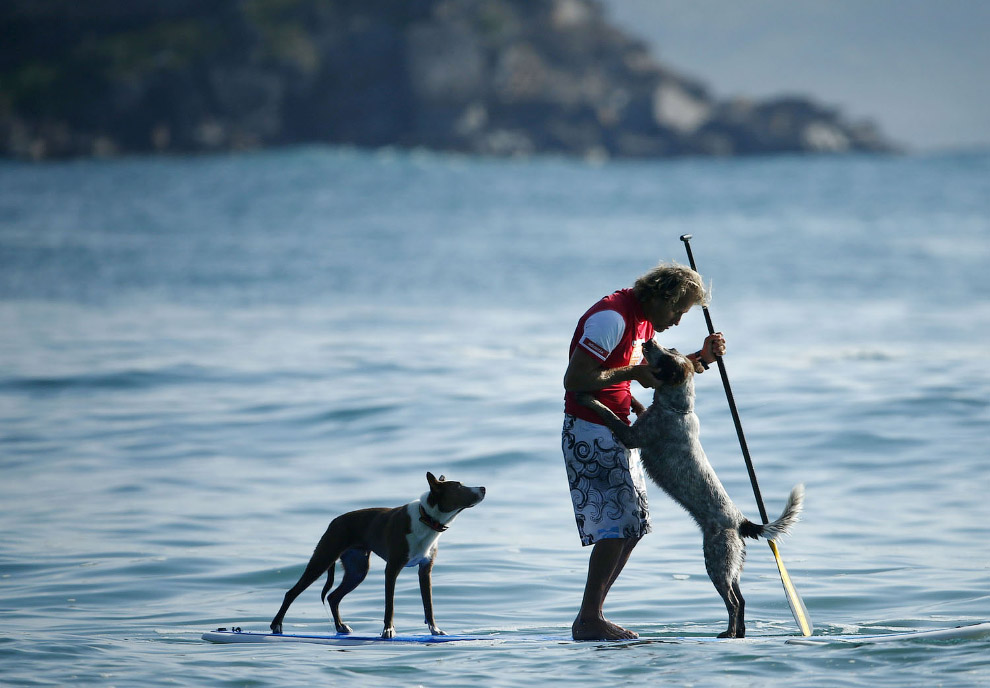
276	629
344	629
436	631
388	633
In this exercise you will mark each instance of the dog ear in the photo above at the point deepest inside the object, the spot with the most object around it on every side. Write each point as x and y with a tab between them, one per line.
433	480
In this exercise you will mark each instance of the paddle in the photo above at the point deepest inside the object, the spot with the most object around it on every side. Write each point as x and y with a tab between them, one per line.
794	600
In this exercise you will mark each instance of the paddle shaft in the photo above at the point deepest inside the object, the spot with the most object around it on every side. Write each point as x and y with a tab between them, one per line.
732	401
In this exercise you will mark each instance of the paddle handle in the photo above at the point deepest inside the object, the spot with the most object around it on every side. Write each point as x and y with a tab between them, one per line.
686	238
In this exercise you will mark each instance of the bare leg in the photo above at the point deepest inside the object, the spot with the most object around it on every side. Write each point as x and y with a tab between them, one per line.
608	557
627	549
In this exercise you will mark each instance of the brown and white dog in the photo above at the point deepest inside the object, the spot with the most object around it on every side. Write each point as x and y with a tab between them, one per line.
404	536
667	433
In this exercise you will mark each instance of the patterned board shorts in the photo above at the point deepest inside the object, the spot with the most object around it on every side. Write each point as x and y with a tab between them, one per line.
607	484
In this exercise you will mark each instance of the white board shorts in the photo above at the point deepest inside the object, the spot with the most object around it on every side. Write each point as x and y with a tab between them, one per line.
608	487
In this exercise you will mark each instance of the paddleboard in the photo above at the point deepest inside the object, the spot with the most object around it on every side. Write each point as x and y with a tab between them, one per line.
236	635
956	633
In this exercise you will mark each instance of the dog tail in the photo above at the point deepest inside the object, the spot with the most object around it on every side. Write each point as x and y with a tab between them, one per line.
329	583
772	531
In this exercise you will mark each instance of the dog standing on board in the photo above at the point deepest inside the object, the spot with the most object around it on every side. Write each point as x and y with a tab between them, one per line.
404	536
672	456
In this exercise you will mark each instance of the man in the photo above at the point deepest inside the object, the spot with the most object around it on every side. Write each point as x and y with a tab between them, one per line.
608	488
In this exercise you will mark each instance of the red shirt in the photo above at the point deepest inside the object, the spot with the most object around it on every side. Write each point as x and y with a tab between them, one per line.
628	351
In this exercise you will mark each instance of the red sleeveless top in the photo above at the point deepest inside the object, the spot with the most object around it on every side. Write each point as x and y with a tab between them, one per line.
628	351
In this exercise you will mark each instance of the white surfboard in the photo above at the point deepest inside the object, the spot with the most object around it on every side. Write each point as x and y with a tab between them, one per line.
236	635
956	633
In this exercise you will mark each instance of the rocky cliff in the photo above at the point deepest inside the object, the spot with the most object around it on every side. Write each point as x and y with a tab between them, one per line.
499	77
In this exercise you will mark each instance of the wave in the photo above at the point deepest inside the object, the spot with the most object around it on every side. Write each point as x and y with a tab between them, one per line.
123	380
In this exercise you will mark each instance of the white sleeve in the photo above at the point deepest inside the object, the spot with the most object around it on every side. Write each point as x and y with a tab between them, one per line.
602	332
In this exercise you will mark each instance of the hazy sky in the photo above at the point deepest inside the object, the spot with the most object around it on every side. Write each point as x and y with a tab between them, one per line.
916	67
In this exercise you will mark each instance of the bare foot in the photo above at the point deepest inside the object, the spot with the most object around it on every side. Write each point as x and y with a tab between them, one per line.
600	629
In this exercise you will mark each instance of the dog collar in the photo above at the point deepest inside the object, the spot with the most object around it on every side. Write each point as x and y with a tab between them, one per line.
430	521
675	409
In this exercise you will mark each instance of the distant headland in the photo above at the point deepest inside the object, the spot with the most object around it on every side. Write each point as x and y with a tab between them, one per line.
492	77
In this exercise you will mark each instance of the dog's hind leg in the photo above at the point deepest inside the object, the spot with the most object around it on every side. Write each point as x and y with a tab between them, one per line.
356	564
322	560
741	615
723	561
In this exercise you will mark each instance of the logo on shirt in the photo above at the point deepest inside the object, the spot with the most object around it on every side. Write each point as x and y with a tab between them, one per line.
637	353
595	348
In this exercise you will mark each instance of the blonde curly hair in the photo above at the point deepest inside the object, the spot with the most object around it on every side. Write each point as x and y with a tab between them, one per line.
673	283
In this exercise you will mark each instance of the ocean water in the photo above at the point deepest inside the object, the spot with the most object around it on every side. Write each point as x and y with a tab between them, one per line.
203	360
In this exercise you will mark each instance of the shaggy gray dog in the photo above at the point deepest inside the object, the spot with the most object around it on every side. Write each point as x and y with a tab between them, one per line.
667	434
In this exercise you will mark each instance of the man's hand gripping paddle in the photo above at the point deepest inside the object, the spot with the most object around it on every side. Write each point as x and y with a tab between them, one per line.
794	600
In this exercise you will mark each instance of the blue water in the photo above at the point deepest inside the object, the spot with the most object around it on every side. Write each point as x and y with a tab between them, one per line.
203	360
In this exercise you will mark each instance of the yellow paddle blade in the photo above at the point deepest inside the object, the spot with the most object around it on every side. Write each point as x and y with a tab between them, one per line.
794	600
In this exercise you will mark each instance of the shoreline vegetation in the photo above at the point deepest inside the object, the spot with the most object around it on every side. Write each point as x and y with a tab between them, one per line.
491	77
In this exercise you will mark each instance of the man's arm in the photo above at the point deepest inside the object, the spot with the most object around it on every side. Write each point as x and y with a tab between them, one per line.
713	347
585	373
